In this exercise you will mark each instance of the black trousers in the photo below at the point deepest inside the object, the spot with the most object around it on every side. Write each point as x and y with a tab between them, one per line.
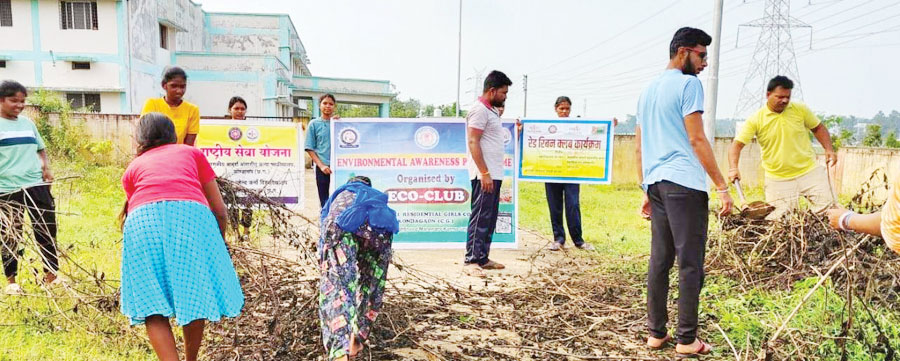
41	209
560	197
323	183
678	224
482	222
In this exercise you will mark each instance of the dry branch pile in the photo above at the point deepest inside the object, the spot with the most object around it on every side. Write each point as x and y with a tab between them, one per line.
775	254
549	315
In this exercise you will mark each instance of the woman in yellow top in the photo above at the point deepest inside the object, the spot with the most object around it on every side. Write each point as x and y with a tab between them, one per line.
885	223
184	115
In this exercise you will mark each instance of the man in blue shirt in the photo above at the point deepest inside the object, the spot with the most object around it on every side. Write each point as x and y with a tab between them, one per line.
318	146
675	158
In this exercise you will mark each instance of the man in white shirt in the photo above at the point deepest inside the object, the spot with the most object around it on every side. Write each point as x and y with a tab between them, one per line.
485	135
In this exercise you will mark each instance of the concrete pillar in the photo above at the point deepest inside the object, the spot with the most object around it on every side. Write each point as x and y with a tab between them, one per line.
385	110
315	109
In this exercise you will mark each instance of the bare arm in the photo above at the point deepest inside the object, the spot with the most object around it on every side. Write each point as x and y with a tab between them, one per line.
474	140
862	223
734	159
318	162
45	166
824	138
645	209
637	154
190	139
216	204
693	123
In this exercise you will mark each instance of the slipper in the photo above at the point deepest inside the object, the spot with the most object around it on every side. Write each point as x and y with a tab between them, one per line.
474	270
704	349
666	341
13	289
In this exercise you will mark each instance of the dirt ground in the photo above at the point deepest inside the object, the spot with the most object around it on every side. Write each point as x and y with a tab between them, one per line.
447	264
530	257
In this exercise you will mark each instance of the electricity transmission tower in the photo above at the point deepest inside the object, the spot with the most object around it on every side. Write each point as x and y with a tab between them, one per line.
774	54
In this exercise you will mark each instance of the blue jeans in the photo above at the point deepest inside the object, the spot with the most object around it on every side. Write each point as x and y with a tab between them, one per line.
562	196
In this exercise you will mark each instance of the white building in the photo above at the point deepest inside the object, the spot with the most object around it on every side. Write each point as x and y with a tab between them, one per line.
110	54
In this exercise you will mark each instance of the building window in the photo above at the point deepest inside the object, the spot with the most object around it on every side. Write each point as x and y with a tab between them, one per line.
89	101
2	63
5	13
78	15
81	65
163	36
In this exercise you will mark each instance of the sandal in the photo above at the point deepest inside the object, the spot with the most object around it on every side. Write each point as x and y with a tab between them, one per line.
704	349
474	270
664	342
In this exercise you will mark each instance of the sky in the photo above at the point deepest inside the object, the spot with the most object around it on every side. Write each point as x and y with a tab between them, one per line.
600	53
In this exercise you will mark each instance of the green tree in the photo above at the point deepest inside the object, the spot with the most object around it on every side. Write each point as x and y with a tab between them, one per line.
873	136
357	110
405	109
449	110
446	110
891	141
840	137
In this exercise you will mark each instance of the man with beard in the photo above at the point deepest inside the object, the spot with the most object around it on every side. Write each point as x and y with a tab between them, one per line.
782	129
486	144
675	158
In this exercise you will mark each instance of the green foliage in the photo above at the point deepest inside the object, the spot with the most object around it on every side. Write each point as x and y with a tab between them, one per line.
891	140
405	109
873	136
33	328
357	110
840	136
449	110
742	312
64	136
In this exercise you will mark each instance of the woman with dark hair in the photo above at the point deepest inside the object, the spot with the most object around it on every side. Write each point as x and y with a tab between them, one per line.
318	145
183	115
242	216
174	260
354	253
565	197
237	108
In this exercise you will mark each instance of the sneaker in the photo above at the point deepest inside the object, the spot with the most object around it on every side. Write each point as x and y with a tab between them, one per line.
491	265
586	246
556	246
13	289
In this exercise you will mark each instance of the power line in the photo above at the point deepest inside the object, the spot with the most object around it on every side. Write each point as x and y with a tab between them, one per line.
673	3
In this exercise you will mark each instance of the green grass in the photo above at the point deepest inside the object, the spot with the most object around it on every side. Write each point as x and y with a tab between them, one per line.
89	207
611	222
29	326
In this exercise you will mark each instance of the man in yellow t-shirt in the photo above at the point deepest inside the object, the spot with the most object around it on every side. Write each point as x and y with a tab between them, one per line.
184	115
782	129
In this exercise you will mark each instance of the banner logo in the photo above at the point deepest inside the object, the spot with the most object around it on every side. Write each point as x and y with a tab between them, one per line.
349	138
427	137
235	134
252	134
